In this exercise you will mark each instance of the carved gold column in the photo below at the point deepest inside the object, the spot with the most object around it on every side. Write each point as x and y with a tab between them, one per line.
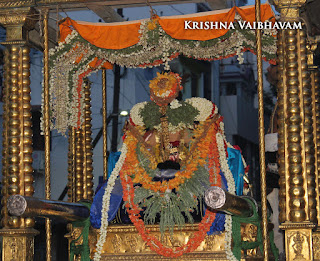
314	71
78	164
80	169
298	206
17	233
71	165
87	145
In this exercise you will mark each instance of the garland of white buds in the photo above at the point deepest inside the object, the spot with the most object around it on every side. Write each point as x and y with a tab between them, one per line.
221	139
106	202
204	107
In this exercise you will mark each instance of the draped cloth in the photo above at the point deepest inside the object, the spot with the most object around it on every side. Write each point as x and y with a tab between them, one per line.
237	168
122	35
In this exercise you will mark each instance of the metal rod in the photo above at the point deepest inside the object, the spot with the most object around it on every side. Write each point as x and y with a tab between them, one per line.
263	182
218	199
47	128
314	89
34	207
115	121
105	124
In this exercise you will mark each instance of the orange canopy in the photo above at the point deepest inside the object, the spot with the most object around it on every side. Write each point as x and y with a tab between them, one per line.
126	34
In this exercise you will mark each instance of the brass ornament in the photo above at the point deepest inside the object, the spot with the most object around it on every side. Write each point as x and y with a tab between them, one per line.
18	244
299	245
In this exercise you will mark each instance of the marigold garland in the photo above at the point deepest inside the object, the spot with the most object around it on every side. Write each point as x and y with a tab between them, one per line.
134	211
197	157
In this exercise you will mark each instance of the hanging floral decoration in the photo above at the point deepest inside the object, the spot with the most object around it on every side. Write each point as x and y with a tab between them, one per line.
76	56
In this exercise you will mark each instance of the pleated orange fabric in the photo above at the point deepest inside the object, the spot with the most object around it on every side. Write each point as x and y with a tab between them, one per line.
103	35
175	27
125	34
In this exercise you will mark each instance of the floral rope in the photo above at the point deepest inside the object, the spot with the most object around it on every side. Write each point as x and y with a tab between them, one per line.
221	142
106	202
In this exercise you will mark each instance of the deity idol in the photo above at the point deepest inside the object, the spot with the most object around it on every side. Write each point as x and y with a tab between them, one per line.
173	151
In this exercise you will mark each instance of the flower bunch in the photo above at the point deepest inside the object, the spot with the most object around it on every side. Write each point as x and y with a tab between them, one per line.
165	87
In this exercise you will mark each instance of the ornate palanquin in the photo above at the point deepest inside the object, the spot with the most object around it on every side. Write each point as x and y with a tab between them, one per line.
299	136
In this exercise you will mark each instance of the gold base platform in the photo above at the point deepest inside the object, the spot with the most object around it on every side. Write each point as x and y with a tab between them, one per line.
124	243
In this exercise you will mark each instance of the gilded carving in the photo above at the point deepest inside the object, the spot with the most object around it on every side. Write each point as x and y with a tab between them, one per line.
298	244
27	17
124	243
116	243
18	244
10	4
289	9
298	240
131	241
13	247
75	234
316	246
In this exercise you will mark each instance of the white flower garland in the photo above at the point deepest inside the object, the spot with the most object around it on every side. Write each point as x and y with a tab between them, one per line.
135	113
204	107
175	104
231	188
106	202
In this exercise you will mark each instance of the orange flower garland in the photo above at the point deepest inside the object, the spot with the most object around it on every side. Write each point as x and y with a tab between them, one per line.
210	150
197	158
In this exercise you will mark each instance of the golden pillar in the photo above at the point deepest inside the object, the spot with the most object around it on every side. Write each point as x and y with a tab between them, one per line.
80	169
314	71
105	124
298	204
71	165
87	144
17	172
